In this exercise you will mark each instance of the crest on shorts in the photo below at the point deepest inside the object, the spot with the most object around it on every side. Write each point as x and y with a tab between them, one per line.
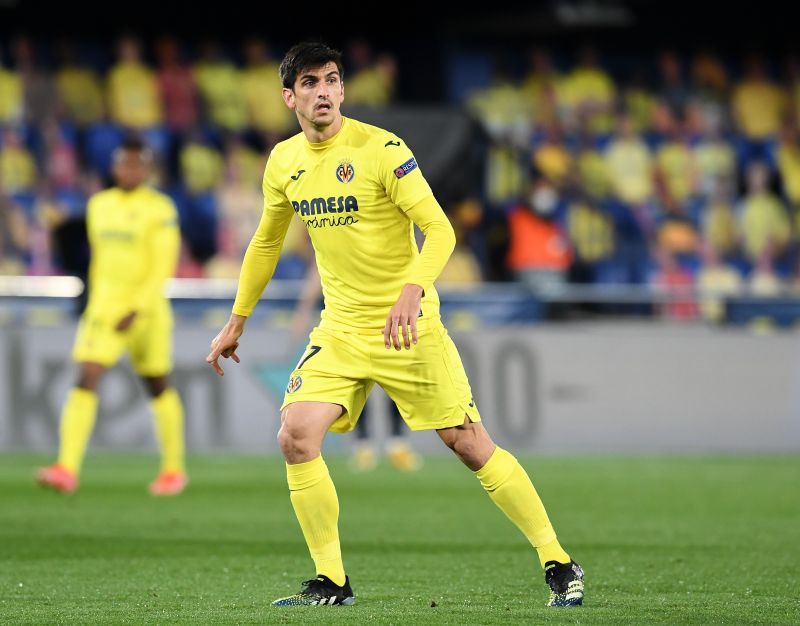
345	171
295	382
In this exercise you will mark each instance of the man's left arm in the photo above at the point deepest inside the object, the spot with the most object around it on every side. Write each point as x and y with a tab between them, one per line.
440	241
408	189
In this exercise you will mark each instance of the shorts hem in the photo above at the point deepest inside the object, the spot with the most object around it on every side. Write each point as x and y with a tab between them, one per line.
152	373
105	362
455	419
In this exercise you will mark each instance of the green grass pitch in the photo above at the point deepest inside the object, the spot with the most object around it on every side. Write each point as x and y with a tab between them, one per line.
663	540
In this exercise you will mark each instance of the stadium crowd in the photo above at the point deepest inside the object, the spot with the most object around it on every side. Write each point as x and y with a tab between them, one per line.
680	170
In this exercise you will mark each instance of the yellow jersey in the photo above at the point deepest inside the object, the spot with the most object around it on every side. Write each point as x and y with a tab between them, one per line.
357	194
135	241
133	96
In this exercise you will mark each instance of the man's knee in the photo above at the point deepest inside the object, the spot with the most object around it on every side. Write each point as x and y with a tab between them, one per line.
155	385
470	442
90	375
303	427
295	436
292	439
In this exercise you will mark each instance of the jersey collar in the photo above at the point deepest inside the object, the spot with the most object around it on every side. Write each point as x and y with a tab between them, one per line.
323	145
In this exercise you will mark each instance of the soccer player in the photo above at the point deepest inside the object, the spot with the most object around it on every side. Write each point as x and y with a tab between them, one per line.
134	240
359	191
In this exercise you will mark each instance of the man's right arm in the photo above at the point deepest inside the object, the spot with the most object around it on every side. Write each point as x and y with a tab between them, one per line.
261	259
258	266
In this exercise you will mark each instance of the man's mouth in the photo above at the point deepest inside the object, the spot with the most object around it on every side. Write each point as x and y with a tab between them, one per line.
324	106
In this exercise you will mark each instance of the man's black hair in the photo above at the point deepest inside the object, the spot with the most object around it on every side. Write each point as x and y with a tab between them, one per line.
133	143
307	55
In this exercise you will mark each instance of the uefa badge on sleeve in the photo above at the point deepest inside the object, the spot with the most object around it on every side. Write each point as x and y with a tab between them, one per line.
295	382
405	168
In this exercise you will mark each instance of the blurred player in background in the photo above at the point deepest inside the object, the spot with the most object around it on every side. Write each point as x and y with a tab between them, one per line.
365	456
135	240
359	191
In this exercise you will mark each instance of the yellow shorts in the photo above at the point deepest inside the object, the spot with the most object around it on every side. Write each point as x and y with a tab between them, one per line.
427	383
148	341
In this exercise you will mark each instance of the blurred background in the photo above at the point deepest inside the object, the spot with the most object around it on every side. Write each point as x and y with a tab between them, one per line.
623	178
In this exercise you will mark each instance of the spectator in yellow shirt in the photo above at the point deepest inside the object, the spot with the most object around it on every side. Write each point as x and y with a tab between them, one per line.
590	92
630	166
462	269
590	173
714	158
675	166
222	89
133	96
543	88
17	165
370	83
765	222
758	103
11	104
237	195
262	90
639	100
501	108
551	157
710	85
591	232
78	88
374	86
719	224
789	165
201	167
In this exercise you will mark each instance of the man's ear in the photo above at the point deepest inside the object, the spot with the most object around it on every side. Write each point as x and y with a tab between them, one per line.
288	97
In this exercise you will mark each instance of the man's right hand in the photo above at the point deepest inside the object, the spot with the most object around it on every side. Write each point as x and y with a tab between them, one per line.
225	343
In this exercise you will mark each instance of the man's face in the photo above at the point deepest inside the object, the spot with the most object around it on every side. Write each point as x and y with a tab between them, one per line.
130	169
317	95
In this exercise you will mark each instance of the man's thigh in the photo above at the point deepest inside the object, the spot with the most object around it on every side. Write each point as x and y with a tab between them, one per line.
427	382
97	341
149	343
334	368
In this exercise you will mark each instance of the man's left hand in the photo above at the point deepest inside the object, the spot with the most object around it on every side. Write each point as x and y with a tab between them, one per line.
403	318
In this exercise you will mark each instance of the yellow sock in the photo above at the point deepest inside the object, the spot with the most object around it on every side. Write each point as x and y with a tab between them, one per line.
77	422
168	412
317	509
510	488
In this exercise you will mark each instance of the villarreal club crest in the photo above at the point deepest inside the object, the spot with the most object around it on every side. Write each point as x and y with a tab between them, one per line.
345	171
295	382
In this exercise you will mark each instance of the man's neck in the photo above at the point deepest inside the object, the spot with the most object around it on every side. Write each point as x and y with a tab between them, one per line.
316	134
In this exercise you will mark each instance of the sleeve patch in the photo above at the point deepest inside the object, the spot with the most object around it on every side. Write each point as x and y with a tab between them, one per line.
406	167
